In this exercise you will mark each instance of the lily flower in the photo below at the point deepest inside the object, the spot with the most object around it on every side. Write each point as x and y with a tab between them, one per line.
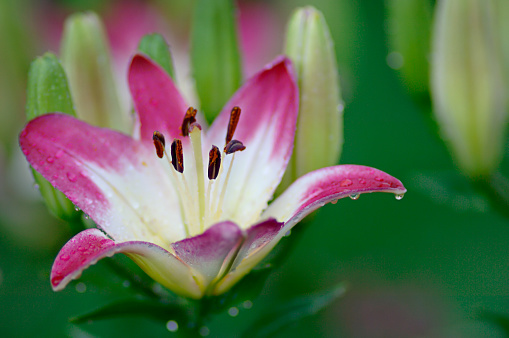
194	215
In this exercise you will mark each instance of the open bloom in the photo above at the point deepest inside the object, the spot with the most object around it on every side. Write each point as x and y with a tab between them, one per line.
196	218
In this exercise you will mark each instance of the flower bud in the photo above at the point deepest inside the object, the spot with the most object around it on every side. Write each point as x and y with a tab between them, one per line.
319	135
468	88
86	58
48	92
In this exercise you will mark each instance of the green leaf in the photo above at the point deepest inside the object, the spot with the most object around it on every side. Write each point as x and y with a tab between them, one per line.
48	90
293	311
157	49
246	290
215	56
135	307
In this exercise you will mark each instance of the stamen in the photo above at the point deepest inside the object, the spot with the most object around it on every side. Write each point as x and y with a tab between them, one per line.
233	146
159	143
189	119
177	155
232	124
214	162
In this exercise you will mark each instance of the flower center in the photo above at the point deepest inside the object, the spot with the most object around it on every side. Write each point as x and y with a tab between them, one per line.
200	206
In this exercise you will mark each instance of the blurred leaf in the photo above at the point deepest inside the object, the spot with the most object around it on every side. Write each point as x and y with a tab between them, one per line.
157	49
451	189
247	289
135	307
215	56
292	311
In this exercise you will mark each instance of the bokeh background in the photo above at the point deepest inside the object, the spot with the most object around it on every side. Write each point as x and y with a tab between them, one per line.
434	264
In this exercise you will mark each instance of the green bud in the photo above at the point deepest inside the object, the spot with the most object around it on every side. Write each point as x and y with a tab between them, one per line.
157	49
468	89
215	56
319	136
409	37
48	92
86	59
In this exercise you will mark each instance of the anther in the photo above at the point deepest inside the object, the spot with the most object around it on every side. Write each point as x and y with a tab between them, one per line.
232	124
177	155
158	139
233	146
214	162
189	119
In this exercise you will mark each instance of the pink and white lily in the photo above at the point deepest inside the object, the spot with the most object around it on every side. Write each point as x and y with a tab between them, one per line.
196	222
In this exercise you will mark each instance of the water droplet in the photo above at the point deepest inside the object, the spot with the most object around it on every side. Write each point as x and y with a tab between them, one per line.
126	283
81	287
72	177
50	159
59	153
36	186
26	151
76	208
362	181
346	183
204	331
86	216
172	326
354	196
64	258
334	202
399	197
233	311
379	179
247	304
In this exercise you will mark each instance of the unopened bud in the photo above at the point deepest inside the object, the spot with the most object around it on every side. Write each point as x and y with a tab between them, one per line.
48	92
86	59
319	136
468	87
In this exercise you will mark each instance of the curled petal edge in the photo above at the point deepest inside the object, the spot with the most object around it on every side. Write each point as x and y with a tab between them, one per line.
304	196
89	246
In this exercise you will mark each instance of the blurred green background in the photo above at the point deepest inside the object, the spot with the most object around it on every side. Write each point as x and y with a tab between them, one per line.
434	264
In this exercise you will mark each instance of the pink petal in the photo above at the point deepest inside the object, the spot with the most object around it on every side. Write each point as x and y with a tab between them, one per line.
91	245
156	99
208	252
325	185
110	176
256	239
305	195
269	104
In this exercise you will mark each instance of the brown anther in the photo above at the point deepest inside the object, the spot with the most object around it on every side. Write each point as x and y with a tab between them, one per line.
214	162
232	124
233	146
177	155
189	119
158	139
